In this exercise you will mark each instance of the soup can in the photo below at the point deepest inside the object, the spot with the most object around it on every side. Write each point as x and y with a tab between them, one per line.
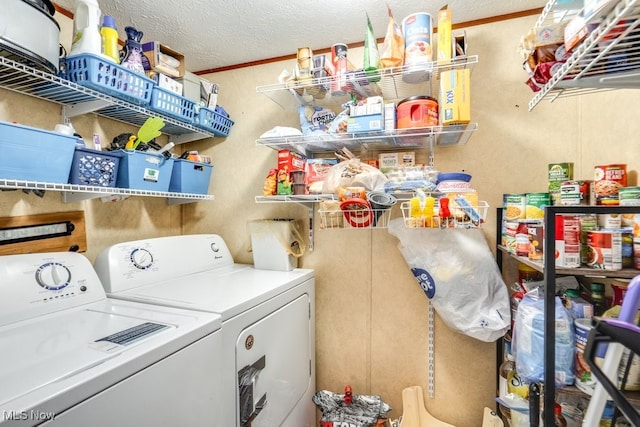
607	182
629	196
604	250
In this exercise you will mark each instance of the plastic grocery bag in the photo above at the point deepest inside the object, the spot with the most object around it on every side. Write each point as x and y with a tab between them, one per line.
528	340
350	409
354	173
456	270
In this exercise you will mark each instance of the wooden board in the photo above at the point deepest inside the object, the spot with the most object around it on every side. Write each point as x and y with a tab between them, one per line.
77	238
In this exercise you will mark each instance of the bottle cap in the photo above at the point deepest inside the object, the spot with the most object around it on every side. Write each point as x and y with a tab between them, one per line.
108	21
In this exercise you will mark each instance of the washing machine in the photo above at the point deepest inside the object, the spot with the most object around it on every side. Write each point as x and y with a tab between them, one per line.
268	319
73	357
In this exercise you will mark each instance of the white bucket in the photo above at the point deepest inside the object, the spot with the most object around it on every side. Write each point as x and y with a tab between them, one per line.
276	244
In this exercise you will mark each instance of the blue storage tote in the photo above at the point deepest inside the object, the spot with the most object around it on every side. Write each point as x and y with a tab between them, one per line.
32	154
93	167
144	171
172	104
108	77
214	121
190	177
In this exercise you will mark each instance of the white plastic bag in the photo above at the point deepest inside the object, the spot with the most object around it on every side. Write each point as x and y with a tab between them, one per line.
459	275
354	173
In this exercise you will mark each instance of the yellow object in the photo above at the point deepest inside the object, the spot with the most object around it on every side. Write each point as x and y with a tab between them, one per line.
455	97
423	208
445	47
110	40
130	142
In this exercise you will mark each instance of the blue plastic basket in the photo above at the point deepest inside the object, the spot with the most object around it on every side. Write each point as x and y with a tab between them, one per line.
104	76
216	122
144	171
190	177
93	167
172	104
32	154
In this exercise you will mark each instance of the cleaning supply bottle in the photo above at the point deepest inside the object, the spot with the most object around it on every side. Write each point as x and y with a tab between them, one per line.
132	56
109	35
86	28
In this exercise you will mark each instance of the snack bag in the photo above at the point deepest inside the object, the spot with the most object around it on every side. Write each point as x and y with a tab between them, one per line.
371	55
392	52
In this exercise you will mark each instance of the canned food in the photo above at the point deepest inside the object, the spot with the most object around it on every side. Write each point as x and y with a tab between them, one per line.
604	250
629	196
608	180
339	65
418	52
573	193
535	204
514	205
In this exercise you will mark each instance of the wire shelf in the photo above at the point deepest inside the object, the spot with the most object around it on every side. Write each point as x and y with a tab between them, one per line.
469	217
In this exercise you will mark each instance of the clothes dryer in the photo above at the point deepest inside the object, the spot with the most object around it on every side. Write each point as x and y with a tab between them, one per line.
73	357
268	319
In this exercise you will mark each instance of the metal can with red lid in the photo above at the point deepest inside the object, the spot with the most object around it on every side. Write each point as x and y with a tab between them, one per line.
417	111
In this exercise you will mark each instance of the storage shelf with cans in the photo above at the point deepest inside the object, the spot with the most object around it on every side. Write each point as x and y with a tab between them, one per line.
608	58
74	193
550	271
78	100
390	86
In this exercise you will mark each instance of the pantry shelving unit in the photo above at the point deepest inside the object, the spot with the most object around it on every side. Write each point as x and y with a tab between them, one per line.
550	271
78	100
74	193
609	57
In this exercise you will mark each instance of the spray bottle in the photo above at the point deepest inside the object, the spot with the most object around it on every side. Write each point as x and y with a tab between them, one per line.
86	28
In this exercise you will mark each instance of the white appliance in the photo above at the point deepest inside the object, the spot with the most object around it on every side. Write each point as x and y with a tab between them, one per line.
268	319
73	357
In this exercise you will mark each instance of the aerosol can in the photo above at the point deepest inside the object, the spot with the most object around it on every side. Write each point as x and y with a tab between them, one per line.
86	28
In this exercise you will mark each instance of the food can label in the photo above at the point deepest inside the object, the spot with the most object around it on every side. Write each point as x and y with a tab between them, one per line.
535	204
418	30
629	196
514	205
608	180
604	250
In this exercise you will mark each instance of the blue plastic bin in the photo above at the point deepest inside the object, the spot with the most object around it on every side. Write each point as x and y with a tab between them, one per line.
93	167
172	104
144	171
216	122
32	154
190	177
108	77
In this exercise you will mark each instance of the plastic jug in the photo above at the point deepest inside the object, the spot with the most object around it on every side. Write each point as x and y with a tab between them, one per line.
109	35
86	28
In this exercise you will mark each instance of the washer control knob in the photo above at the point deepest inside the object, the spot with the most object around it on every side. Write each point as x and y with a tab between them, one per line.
53	276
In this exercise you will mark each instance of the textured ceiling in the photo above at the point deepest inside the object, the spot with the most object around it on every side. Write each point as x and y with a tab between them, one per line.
220	33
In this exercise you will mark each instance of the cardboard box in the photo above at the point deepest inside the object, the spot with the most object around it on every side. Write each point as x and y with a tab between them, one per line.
455	97
390	116
166	82
445	45
153	51
368	123
288	162
191	86
316	171
387	161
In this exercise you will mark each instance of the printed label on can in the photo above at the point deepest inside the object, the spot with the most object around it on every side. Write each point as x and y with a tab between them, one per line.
604	250
514	206
418	30
535	204
607	182
629	196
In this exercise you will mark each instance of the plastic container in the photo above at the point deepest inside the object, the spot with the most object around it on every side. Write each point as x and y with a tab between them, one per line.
144	171
102	75
109	34
93	167
417	112
190	177
172	104
86	28
32	154
216	122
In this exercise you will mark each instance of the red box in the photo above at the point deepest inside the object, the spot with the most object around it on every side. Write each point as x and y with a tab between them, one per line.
288	161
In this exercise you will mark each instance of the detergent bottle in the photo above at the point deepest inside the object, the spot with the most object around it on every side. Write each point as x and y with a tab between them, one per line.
109	35
86	28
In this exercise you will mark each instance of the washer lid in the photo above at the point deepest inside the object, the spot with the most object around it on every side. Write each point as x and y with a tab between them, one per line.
70	355
227	291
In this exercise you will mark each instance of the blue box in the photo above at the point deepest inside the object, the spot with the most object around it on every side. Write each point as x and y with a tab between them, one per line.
167	102
105	76
190	177
144	171
32	154
368	123
93	167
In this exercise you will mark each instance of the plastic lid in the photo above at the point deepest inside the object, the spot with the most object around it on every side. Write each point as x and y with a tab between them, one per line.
557	409
108	21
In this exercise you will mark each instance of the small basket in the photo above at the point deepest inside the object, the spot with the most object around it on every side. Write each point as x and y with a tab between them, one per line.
108	77
190	177
93	167
211	120
172	104
469	217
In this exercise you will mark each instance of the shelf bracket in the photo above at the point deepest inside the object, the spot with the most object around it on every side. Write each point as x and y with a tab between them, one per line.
81	108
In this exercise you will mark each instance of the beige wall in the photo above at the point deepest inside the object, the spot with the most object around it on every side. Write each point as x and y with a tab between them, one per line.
371	316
